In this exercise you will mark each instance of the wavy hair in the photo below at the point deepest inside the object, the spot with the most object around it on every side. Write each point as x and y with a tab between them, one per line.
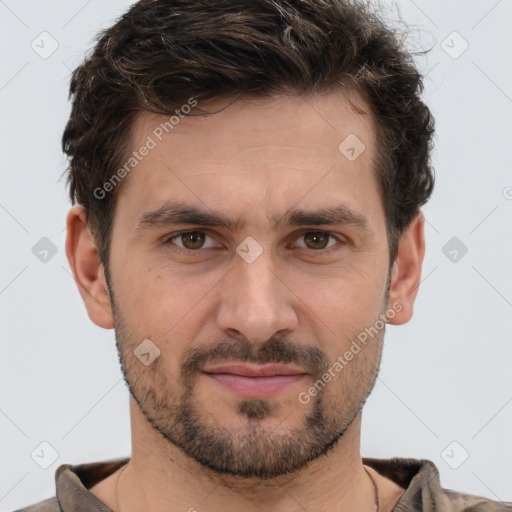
162	52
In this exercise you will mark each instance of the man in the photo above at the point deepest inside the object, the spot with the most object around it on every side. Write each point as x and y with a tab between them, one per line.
248	177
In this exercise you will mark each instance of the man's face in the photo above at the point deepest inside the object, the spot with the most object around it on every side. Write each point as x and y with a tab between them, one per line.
275	286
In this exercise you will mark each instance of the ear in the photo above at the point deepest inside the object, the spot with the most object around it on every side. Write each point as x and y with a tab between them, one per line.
88	271
406	272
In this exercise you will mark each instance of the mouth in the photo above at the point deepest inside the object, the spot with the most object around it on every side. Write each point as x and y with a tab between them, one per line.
255	381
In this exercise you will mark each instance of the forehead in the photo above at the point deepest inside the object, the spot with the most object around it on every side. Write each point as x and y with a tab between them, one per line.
277	150
279	123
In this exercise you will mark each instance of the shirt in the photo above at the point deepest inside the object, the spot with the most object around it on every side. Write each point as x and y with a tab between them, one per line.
420	478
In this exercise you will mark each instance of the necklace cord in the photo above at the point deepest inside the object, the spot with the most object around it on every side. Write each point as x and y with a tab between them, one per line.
117	487
375	488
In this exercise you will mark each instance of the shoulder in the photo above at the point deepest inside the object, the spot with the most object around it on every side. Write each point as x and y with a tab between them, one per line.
423	489
72	487
48	505
470	503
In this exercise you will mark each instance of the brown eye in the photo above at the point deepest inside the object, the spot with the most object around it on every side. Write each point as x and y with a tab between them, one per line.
191	243
192	239
316	239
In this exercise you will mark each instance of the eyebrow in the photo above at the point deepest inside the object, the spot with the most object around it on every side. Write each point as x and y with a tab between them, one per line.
174	213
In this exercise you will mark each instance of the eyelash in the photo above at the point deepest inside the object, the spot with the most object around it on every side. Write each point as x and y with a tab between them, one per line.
196	252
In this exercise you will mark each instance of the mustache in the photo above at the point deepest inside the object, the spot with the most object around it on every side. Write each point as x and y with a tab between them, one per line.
275	350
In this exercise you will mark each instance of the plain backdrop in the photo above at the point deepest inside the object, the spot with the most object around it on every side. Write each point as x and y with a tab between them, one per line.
445	388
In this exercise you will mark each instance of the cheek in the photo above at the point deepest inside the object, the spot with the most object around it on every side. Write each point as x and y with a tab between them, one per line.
141	301
346	293
167	307
339	309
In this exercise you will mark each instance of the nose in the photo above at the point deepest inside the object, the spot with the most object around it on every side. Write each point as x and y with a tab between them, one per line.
256	301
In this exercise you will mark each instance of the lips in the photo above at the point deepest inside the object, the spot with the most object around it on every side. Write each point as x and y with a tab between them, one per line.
254	381
256	371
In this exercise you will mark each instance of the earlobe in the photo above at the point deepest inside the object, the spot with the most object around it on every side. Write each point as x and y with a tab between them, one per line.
88	272
406	271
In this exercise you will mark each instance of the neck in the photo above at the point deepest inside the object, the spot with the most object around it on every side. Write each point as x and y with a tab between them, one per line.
160	477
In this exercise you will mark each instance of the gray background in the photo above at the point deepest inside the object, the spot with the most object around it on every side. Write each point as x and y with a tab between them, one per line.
446	376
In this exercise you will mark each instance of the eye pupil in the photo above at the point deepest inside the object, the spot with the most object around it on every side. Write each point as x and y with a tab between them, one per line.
196	239
317	238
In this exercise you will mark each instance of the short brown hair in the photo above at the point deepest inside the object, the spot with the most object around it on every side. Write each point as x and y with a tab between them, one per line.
161	53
